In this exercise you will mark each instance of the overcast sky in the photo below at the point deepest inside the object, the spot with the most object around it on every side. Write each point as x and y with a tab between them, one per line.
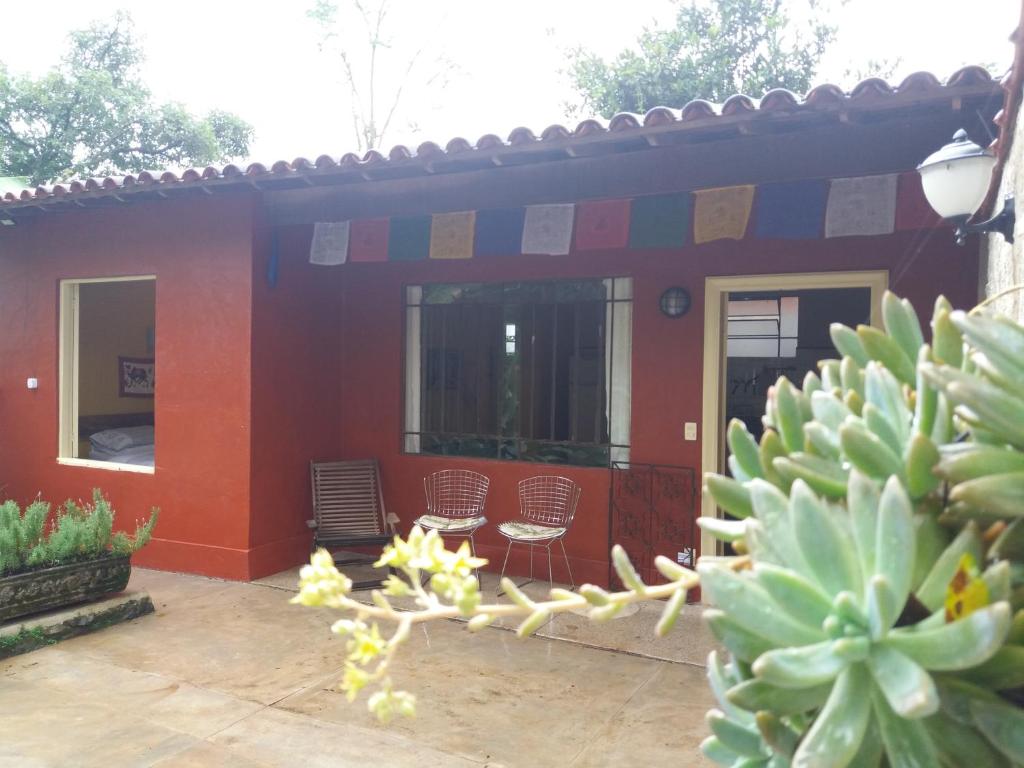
261	59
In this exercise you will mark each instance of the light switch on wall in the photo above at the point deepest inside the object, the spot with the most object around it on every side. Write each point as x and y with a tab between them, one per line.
32	383
690	430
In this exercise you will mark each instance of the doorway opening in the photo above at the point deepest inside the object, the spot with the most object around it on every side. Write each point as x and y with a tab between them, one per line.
760	327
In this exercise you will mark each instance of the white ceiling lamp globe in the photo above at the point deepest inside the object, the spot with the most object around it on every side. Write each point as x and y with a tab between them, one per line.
956	178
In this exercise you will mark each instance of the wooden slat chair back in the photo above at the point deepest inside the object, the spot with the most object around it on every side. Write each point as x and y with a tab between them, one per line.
348	509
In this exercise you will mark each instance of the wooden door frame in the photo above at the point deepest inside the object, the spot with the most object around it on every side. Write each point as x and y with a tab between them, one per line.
716	292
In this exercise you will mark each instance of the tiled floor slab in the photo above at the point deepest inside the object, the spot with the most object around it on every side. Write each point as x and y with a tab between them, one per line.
230	674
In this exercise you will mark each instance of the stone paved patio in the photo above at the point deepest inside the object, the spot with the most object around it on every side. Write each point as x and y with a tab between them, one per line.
230	674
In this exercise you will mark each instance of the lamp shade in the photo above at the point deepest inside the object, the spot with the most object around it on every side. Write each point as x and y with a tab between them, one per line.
956	178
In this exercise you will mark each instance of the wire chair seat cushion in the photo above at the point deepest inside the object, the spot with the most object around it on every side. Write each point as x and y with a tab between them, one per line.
440	523
523	531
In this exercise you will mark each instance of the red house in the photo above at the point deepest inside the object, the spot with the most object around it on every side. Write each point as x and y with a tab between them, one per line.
511	306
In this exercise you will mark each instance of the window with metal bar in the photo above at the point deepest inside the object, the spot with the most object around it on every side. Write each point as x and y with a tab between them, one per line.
529	371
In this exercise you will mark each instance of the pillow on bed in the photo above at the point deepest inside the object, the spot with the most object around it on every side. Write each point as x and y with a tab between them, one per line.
119	439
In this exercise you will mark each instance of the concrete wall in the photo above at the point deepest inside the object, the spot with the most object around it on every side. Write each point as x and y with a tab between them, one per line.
1002	262
201	254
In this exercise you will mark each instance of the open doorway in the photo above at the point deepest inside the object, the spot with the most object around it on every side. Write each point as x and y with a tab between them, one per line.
780	333
758	327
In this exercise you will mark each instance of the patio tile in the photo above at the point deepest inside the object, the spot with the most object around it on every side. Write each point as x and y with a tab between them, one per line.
46	731
665	717
479	694
279	738
93	683
243	640
206	755
186	687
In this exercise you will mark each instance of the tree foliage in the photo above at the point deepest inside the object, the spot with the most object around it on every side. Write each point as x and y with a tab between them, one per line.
92	115
716	49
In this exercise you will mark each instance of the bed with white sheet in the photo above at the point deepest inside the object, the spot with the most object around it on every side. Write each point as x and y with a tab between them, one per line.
124	445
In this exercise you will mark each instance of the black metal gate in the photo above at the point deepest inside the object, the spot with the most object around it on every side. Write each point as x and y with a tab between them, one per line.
652	511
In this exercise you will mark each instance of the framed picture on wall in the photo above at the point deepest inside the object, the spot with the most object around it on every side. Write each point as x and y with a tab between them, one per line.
136	376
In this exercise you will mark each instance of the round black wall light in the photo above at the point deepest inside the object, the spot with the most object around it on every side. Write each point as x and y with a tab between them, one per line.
674	302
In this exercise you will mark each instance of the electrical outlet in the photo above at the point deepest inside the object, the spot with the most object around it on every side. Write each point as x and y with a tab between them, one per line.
690	430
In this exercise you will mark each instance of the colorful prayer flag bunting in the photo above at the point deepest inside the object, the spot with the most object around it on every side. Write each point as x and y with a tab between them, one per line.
547	229
330	243
660	221
912	208
602	224
368	240
863	205
796	210
791	210
722	213
409	238
499	232
451	235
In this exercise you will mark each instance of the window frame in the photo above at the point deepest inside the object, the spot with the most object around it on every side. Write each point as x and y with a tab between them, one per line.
68	322
620	292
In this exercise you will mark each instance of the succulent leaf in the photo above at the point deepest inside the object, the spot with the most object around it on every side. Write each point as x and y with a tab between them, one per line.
884	350
1001	495
867	452
751	607
744	449
907	687
848	344
895	541
901	324
822	539
823	475
808	666
1003	724
834	738
804	599
960	644
755	694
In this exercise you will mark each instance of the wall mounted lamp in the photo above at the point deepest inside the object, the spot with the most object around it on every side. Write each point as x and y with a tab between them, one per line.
955	181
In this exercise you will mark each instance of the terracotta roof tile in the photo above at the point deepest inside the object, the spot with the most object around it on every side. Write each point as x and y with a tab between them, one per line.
779	100
624	121
698	109
698	115
738	104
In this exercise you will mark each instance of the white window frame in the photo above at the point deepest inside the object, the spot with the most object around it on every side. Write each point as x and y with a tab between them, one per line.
67	376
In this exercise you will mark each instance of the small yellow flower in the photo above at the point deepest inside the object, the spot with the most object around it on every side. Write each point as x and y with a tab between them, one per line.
365	646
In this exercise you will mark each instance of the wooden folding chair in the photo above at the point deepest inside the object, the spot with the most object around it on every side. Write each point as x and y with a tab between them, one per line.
348	511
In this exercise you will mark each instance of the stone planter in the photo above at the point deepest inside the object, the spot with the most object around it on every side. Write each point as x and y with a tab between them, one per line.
48	588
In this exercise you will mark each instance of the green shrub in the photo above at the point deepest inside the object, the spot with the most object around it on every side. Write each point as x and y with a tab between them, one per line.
77	532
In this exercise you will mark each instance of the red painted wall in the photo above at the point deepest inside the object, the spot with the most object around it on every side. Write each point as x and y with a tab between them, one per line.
296	392
201	254
667	363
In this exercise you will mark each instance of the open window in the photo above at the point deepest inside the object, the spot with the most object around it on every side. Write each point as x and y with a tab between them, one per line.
528	371
108	372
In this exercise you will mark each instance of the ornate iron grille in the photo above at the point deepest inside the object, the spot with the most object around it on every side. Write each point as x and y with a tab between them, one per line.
652	511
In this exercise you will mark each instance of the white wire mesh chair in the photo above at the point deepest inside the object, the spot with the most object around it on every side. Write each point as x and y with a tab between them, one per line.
547	505
455	503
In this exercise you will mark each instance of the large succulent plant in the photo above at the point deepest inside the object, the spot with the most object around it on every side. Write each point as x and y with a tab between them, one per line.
880	555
